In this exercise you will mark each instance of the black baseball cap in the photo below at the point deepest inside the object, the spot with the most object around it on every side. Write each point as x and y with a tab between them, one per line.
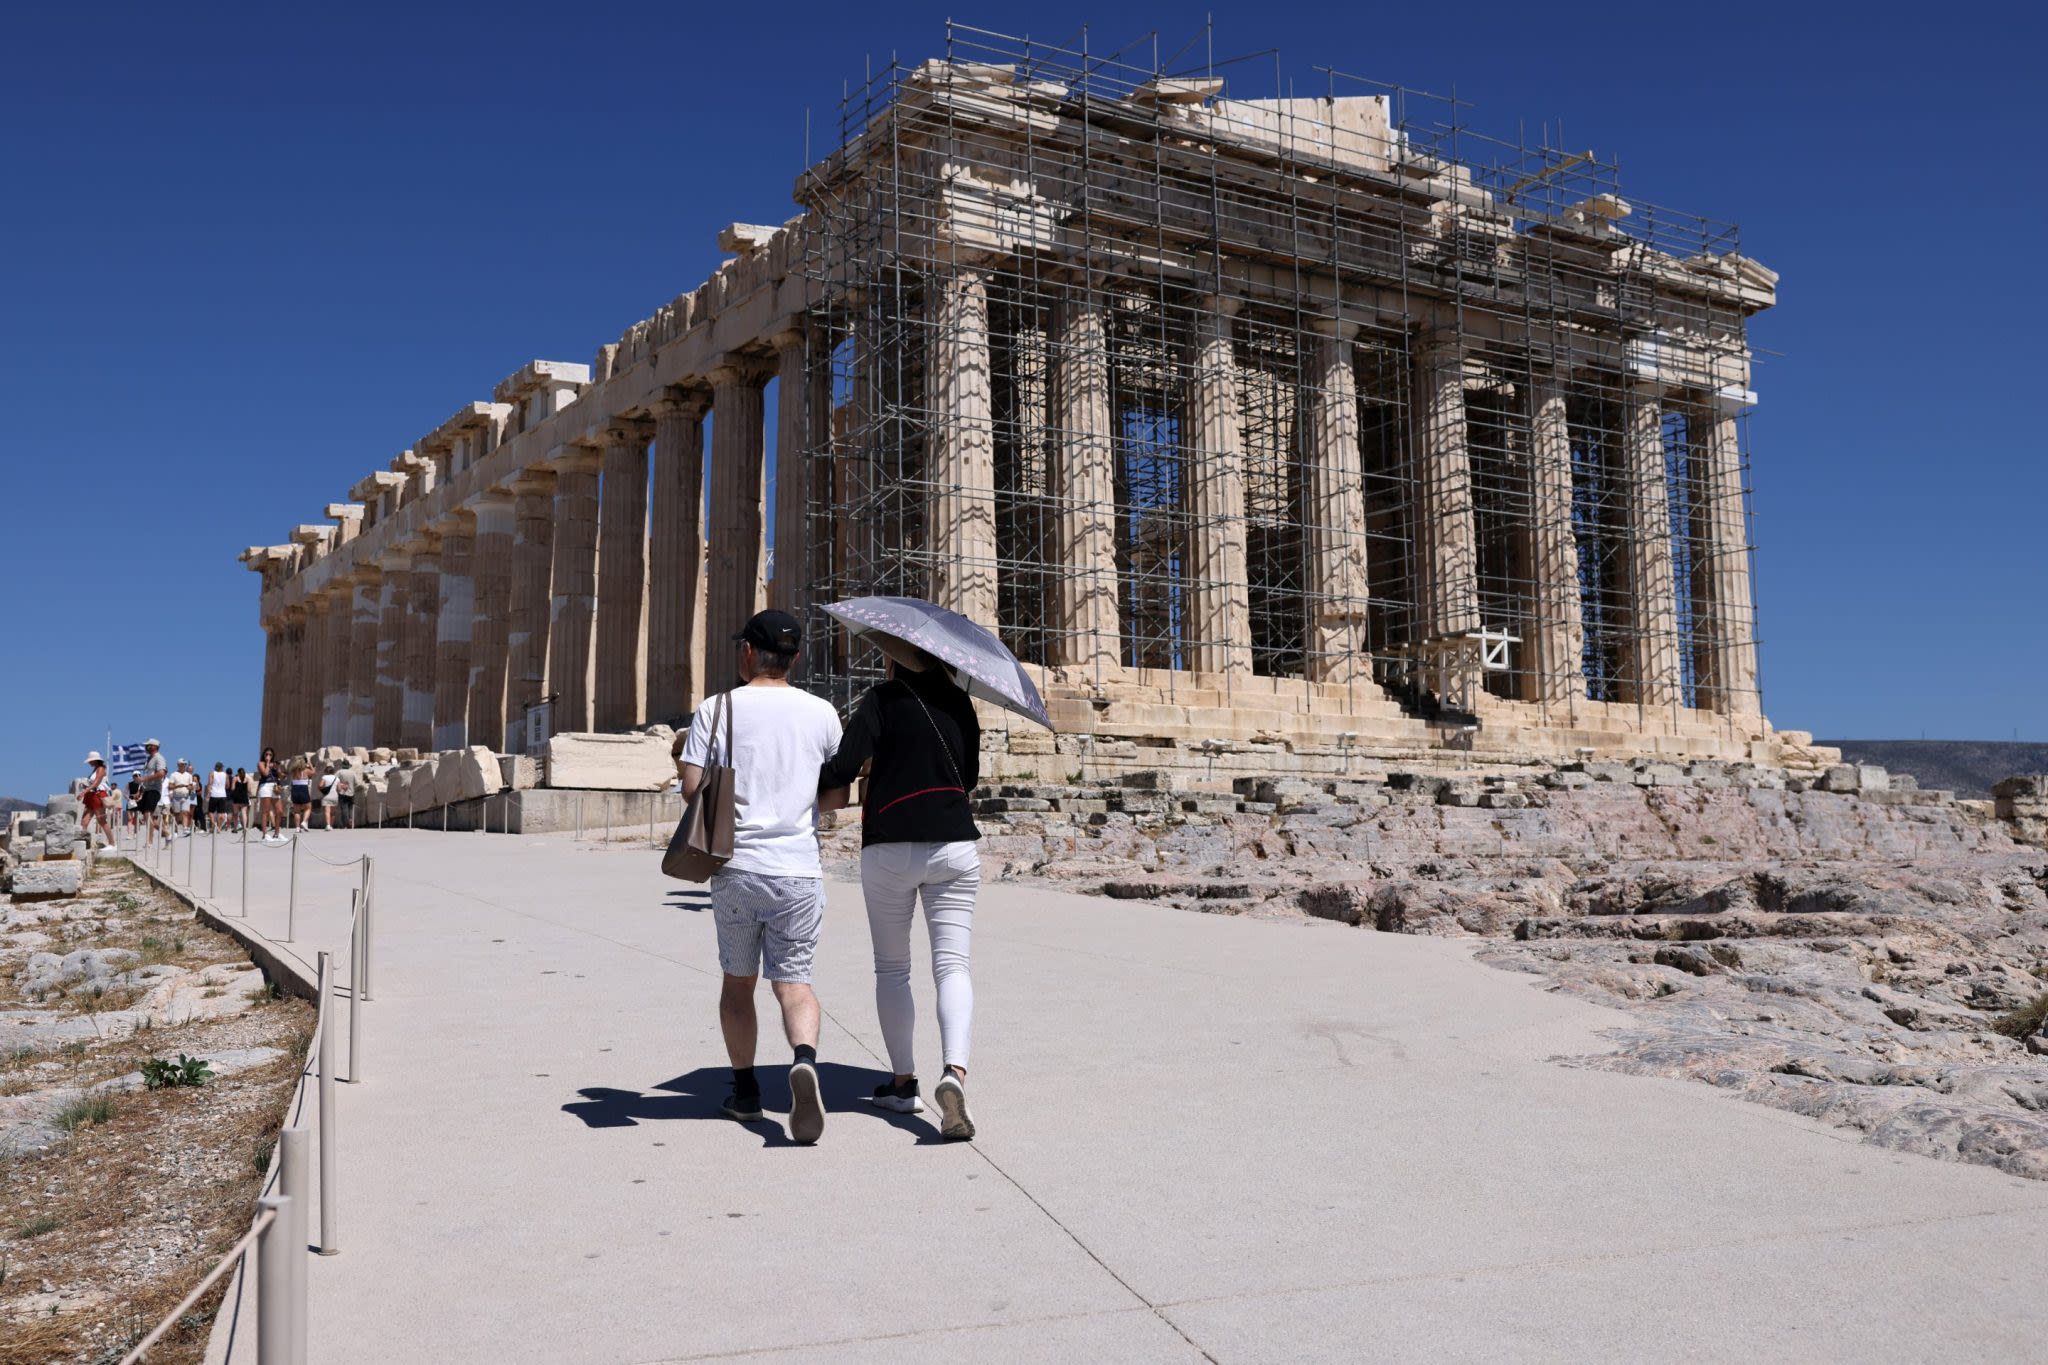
775	631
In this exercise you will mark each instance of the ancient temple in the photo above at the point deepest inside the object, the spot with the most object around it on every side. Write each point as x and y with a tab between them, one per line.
1305	426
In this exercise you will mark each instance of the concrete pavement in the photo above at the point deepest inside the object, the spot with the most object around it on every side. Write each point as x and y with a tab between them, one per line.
1201	1137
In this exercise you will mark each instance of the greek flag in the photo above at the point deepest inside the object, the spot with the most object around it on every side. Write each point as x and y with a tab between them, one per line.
126	759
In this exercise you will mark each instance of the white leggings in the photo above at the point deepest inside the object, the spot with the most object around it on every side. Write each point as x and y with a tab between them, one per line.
891	875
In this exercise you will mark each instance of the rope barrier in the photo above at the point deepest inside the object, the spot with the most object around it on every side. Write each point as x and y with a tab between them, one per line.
257	1228
280	1306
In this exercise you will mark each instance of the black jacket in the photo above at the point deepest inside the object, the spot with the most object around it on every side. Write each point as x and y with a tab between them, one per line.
924	769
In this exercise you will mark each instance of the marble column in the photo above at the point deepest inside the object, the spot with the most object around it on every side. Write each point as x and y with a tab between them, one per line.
311	682
488	652
960	448
394	612
1336	511
1087	625
365	629
273	690
1558	650
1651	595
621	576
676	555
1447	578
422	637
339	667
1220	618
800	429
455	624
526	641
733	572
1727	619
573	609
285	722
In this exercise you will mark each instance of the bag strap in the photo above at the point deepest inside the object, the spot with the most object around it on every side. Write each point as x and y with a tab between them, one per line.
940	735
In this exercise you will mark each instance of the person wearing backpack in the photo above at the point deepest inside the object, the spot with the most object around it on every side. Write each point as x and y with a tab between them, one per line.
768	900
918	837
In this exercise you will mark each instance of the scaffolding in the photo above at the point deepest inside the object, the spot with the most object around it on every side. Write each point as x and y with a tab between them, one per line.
1476	420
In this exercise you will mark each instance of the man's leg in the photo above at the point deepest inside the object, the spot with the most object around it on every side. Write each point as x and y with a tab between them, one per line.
799	1013
789	942
737	1020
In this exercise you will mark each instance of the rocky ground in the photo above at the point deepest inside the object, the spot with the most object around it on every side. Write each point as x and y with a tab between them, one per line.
1839	947
116	1196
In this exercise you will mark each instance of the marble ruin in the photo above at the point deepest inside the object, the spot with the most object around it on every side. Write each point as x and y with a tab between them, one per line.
1273	431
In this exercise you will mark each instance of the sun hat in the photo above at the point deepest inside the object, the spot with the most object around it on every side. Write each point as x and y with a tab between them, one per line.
94	757
151	744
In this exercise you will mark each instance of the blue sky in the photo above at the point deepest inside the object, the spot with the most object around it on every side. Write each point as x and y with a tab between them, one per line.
247	254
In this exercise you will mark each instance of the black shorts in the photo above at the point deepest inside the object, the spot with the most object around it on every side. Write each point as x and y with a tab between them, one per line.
216	805
148	801
302	794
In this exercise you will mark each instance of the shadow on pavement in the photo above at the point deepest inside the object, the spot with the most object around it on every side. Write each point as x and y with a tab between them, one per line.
698	1094
687	899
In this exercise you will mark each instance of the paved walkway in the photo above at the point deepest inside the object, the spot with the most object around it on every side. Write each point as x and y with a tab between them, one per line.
1202	1137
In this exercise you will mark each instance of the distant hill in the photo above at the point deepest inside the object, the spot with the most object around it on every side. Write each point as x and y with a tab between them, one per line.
1967	767
10	804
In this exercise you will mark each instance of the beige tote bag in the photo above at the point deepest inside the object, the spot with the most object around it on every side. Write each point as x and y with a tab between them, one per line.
702	842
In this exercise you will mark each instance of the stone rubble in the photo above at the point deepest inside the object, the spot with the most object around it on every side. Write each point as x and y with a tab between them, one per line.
1833	941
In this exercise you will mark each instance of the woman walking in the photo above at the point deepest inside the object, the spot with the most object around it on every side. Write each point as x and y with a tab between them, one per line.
302	795
917	840
238	799
269	809
94	799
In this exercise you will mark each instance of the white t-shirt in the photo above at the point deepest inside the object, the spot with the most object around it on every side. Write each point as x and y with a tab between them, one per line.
780	737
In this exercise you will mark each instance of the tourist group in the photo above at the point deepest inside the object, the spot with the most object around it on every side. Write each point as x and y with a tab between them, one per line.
162	802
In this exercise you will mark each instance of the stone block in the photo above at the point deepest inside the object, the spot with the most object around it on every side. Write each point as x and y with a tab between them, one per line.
466	774
1610	772
609	762
1665	775
518	772
1871	778
1150	780
48	880
398	794
1843	777
29	850
422	784
1905	782
2022	787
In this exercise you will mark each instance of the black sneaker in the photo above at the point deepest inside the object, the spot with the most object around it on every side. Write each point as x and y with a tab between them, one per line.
745	1108
806	1107
901	1098
955	1123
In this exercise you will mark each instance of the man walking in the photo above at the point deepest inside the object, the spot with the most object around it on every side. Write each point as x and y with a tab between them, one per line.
769	900
154	771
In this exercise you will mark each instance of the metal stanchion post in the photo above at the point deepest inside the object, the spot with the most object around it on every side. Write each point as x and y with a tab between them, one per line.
212	862
355	988
607	817
245	871
330	1241
291	905
369	919
295	1182
579	817
274	1281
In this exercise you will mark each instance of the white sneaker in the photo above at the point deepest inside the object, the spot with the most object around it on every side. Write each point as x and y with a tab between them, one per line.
955	1123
